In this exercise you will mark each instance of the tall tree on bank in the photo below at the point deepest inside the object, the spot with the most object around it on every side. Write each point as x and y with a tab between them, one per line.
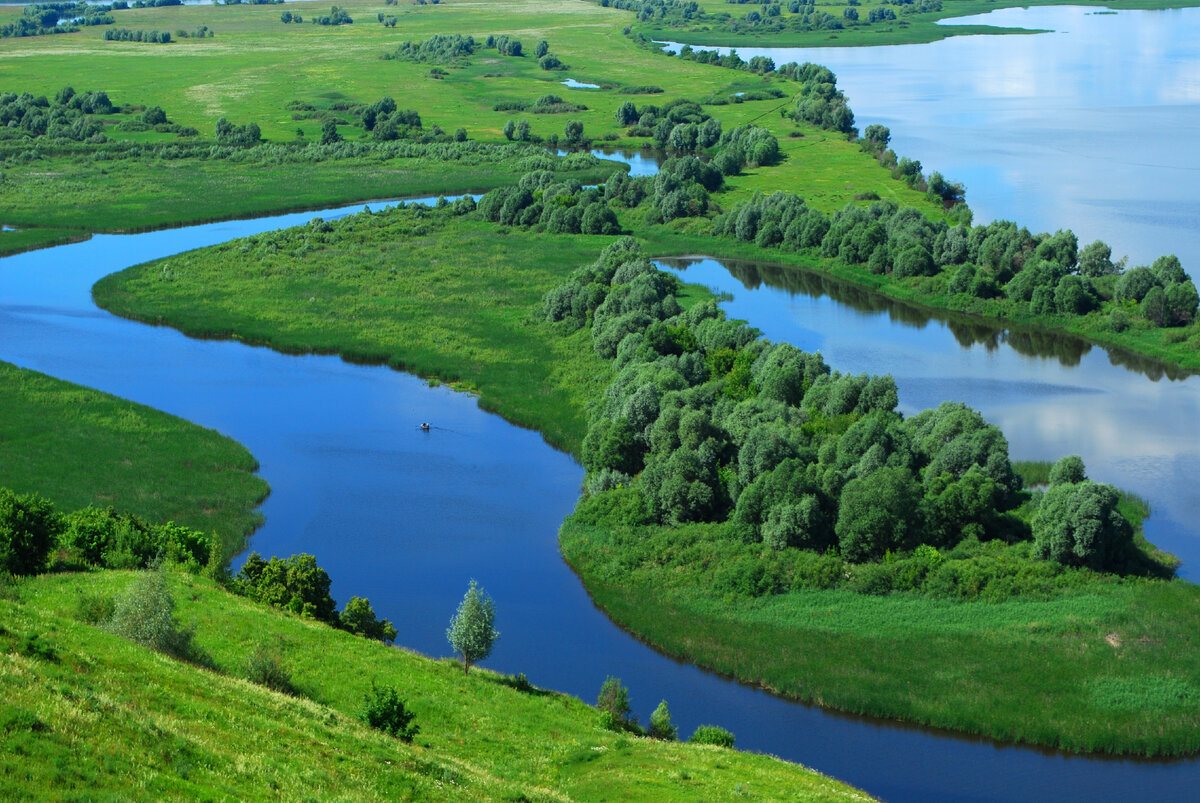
471	632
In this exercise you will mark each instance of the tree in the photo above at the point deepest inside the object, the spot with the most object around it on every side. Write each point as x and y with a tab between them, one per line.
471	632
359	617
1068	469
573	133
329	133
627	114
28	528
613	703
509	128
541	48
877	513
660	724
145	613
1095	260
1077	523
523	131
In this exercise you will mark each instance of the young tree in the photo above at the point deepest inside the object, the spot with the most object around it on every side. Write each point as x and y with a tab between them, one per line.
28	529
613	703
329	132
471	632
660	724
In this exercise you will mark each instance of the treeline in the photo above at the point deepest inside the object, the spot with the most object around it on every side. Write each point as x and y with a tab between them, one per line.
127	35
41	19
35	538
545	104
773	16
453	48
65	118
705	421
541	199
1044	274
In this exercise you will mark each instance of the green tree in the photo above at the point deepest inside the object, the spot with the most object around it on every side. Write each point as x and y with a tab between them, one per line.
1067	469
509	128
1095	260
1078	524
329	132
877	513
28	529
359	617
573	133
471	632
712	734
660	724
145	614
613	703
541	48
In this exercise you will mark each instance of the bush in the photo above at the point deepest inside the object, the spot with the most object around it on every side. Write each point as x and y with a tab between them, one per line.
28	528
359	618
712	734
145	614
265	669
613	704
660	724
384	710
94	609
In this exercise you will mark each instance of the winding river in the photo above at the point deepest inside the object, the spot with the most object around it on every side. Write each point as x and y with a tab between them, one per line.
406	517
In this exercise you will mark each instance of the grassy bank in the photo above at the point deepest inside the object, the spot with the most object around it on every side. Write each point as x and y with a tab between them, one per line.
14	242
81	447
142	194
88	713
441	297
1104	668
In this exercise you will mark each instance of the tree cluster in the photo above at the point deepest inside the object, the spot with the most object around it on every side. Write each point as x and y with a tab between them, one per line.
1043	274
336	16
706	421
821	103
237	136
65	118
127	35
41	19
542	199
299	585
437	49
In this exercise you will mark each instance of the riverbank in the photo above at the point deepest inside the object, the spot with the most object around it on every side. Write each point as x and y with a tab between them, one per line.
78	447
174	729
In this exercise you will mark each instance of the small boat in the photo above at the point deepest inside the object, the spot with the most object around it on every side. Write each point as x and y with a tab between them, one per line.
424	426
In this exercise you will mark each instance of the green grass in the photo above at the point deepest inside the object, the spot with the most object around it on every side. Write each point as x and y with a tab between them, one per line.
86	713
79	447
14	242
437	296
1109	666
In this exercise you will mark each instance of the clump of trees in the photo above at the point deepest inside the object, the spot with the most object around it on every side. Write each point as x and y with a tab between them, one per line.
127	35
820	103
69	116
336	16
705	421
297	584
542	199
238	136
42	19
437	49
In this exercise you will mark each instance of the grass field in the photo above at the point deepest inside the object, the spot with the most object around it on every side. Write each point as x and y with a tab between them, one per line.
79	447
440	297
88	714
1105	668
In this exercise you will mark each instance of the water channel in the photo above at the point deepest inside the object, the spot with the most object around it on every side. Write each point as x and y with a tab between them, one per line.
405	517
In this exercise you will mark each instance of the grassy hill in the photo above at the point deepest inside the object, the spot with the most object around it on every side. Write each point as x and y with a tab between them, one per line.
87	713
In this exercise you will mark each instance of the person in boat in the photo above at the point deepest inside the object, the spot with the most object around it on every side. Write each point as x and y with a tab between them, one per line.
425	426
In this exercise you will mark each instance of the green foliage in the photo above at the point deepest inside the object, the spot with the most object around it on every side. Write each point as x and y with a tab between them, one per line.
358	617
94	609
1077	523
28	528
712	734
145	614
295	583
106	538
266	669
613	704
384	710
660	724
471	632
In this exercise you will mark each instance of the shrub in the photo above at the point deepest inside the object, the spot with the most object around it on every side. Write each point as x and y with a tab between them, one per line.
384	710
712	734
359	618
660	724
145	614
94	609
265	669
613	703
